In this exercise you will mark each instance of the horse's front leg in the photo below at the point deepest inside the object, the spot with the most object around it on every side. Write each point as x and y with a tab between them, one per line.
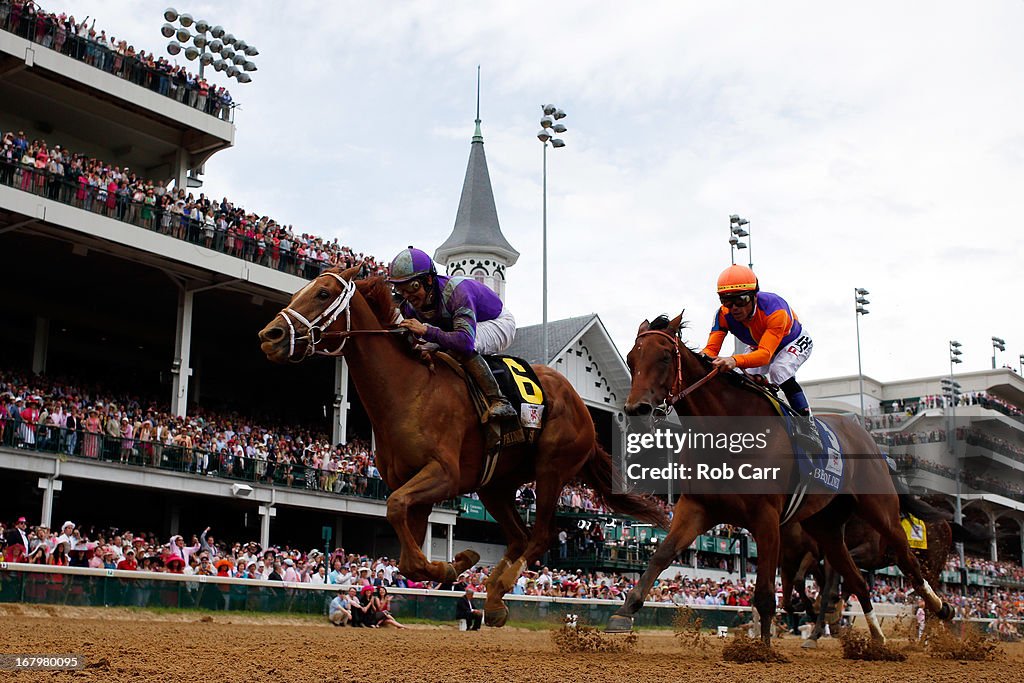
766	534
408	509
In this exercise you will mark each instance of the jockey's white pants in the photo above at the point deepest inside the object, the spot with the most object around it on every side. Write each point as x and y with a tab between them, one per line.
494	336
787	360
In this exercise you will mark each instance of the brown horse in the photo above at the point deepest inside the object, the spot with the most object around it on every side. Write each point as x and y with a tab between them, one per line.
661	365
801	556
430	443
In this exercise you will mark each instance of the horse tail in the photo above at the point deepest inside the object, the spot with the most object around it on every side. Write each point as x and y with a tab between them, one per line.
598	473
922	510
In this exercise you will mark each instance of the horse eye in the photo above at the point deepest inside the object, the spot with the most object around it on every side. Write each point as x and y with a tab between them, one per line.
323	294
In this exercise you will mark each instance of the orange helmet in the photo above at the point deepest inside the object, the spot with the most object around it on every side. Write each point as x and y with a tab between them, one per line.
736	279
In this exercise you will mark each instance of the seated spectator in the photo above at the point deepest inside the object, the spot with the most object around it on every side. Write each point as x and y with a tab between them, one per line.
464	610
340	610
381	606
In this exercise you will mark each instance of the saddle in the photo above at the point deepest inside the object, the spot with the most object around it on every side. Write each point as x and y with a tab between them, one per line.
519	384
819	470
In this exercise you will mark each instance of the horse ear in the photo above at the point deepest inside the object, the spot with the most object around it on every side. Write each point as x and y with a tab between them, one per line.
644	326
676	322
350	274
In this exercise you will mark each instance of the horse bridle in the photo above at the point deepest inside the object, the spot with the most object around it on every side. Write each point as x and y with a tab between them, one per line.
317	332
315	328
677	393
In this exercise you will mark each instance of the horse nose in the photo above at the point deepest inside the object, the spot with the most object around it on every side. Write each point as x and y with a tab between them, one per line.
636	409
272	334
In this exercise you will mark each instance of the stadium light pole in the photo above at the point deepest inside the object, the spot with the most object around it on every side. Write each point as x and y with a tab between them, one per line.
861	307
1022	364
997	345
234	52
738	229
951	390
548	127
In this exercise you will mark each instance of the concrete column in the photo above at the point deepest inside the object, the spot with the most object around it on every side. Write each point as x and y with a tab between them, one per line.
180	368
451	542
1020	524
266	512
341	402
338	532
993	546
174	519
179	169
41	345
428	540
49	485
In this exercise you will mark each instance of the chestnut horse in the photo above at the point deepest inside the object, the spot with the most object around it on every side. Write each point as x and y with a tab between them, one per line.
801	556
429	440
660	366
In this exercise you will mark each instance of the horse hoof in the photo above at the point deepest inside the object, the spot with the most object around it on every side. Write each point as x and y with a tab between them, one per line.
619	624
496	618
809	644
946	613
451	575
467	559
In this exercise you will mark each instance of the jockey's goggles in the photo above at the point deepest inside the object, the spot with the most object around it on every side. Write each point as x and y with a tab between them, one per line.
736	300
407	288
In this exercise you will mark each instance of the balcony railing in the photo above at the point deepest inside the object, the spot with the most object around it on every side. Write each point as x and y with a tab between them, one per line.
147	214
42	29
133	452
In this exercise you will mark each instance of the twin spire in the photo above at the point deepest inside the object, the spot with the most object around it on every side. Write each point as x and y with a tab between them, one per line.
476	224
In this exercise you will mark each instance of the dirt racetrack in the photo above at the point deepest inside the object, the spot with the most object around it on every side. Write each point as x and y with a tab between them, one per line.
120	645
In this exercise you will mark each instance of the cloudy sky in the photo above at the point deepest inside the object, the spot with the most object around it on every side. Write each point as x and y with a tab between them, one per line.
873	144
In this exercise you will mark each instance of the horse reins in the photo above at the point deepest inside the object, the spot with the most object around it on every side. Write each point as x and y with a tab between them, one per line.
677	392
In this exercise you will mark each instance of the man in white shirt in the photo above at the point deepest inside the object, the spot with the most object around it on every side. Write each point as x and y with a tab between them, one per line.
68	535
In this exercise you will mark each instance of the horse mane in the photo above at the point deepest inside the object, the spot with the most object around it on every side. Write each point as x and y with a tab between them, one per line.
377	293
662	322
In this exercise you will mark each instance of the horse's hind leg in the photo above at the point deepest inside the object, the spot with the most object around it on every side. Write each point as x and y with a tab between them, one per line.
828	588
549	487
687	523
501	504
832	543
882	513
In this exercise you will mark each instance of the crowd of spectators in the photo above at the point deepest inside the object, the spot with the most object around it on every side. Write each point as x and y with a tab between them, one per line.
108	189
43	413
909	462
363	581
81	41
1002	446
1010	571
895	413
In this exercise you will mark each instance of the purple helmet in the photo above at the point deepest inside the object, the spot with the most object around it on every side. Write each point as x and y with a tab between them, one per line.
410	263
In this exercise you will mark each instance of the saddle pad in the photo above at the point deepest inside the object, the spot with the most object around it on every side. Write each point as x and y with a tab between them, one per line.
519	383
917	533
826	468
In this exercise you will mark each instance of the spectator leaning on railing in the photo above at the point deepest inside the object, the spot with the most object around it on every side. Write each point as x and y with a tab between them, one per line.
81	41
119	193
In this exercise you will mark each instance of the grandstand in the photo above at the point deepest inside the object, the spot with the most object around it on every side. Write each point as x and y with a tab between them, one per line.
126	285
130	287
912	420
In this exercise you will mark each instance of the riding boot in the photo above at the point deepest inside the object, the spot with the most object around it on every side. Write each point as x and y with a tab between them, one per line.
498	406
806	432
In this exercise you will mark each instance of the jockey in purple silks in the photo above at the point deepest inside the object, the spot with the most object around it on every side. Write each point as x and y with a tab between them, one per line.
460	315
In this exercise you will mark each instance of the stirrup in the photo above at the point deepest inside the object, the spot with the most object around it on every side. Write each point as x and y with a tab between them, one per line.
500	410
